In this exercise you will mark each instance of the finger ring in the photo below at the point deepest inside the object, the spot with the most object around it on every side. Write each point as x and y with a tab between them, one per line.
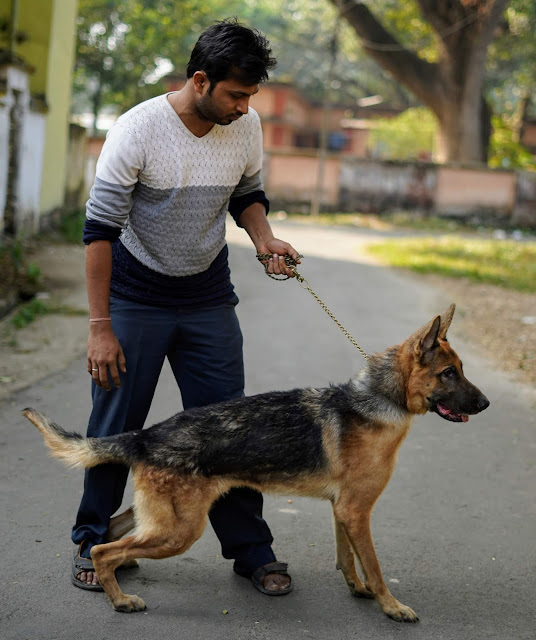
94	369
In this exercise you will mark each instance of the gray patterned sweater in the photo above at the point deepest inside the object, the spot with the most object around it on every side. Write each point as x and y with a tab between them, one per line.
164	194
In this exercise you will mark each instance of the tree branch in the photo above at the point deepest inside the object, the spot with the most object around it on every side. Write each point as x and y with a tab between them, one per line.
442	15
418	75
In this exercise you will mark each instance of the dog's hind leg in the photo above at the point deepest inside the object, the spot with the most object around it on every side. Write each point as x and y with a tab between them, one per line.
171	513
346	562
107	557
356	525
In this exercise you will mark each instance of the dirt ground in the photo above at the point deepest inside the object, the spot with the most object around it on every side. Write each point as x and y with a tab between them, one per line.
52	341
501	323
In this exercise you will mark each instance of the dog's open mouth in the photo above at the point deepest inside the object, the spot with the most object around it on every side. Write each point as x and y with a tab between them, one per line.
446	413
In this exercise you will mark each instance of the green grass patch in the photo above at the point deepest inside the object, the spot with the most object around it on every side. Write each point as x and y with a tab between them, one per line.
30	311
505	263
388	221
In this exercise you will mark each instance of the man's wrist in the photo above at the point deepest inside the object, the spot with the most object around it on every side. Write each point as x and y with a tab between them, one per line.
100	327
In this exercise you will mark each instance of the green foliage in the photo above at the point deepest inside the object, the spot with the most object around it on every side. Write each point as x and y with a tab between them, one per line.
511	72
28	312
124	45
35	308
404	21
19	278
33	273
505	151
72	225
12	251
302	34
506	263
410	135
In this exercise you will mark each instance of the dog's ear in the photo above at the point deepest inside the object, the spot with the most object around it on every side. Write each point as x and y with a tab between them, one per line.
428	338
446	319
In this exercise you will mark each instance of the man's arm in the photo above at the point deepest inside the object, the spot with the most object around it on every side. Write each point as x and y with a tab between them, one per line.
107	212
104	350
253	220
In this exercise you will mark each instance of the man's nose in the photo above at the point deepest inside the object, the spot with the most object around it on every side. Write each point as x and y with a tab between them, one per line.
243	106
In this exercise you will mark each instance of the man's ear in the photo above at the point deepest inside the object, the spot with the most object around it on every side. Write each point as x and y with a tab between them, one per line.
201	82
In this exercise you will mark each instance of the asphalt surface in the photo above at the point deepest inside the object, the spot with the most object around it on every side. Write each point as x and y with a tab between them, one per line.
454	530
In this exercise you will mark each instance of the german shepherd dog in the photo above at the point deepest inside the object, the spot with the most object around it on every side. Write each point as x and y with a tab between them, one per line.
338	443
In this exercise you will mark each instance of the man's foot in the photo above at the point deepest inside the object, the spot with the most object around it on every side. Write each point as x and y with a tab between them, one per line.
271	579
277	582
83	573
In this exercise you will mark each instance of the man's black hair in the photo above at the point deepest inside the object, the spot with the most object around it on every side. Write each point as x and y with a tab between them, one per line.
229	49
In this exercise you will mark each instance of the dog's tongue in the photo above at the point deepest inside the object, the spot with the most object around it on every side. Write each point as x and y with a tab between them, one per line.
445	411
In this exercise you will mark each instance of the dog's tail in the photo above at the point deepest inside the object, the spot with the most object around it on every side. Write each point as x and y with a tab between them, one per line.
72	448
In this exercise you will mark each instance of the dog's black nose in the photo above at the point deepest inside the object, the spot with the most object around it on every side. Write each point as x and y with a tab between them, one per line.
483	403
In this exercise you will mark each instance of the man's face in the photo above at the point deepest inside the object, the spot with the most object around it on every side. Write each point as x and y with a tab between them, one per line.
228	101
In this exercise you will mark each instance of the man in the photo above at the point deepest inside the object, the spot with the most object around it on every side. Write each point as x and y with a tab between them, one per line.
158	279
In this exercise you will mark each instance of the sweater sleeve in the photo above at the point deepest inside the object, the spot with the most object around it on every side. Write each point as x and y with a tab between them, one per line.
110	198
250	188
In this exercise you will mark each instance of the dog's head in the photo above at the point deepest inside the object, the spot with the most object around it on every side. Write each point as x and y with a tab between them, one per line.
436	381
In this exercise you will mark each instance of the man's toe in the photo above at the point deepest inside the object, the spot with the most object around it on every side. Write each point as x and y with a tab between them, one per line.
276	582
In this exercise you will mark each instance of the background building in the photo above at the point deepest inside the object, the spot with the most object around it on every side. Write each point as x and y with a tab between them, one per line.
37	39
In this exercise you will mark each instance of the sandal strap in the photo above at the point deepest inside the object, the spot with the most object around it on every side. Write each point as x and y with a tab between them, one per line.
83	564
272	567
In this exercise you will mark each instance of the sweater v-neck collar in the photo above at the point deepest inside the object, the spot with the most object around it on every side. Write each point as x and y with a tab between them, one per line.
183	127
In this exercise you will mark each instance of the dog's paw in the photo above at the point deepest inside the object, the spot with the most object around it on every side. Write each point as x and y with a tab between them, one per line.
399	612
128	604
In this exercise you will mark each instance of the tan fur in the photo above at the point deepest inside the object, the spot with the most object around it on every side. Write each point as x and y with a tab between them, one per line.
73	453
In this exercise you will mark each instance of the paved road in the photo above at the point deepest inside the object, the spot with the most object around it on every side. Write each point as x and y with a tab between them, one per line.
455	529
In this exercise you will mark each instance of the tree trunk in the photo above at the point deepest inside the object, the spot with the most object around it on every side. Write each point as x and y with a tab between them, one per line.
452	87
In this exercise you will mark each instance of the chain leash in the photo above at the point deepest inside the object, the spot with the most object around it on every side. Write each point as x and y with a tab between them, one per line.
304	284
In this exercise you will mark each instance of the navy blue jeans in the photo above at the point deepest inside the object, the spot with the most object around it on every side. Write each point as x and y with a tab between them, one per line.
204	349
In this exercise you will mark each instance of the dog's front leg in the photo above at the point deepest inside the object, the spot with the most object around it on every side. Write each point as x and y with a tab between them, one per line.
357	527
346	562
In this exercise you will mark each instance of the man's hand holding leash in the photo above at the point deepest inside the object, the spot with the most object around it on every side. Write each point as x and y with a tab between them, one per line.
276	265
253	220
